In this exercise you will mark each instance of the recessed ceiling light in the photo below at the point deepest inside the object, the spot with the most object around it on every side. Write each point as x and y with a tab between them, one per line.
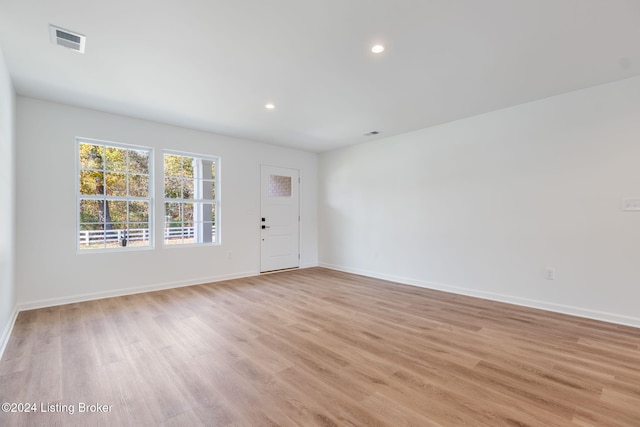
270	106
377	48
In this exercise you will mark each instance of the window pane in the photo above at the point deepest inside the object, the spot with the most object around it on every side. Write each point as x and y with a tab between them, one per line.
209	231
173	188
116	184
208	190
112	241
210	228
89	211
208	212
91	156
173	214
138	211
279	186
173	230
91	182
187	188
116	159
91	236
116	211
187	167
187	211
113	234
139	185
172	165
138	234
138	161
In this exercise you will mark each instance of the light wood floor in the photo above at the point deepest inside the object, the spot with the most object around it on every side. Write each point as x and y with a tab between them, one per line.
318	347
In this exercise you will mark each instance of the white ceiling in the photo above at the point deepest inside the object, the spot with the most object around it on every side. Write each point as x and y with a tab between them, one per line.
214	64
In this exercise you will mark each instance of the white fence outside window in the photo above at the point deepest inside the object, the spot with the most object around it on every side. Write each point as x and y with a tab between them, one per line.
87	237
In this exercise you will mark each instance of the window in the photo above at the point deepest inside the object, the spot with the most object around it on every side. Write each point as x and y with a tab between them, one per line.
114	195
190	199
279	186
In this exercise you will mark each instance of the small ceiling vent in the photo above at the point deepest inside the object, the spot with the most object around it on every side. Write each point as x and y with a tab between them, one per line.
68	39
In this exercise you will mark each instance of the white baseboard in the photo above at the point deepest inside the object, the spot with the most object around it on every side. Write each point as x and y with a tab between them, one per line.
6	334
543	305
130	291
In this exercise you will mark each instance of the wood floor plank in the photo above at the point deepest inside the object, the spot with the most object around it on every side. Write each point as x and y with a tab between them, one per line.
317	347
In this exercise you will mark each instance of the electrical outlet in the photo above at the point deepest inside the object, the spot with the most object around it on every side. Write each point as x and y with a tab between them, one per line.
549	273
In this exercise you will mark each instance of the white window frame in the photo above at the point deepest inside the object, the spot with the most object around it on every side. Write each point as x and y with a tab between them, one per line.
197	200
149	199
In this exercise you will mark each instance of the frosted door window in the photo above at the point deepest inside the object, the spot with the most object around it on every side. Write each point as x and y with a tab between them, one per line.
279	186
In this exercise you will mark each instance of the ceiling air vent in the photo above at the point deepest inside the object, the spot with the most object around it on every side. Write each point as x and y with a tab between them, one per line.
68	39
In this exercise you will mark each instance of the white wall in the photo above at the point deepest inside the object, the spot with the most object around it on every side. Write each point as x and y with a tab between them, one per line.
7	204
48	268
481	206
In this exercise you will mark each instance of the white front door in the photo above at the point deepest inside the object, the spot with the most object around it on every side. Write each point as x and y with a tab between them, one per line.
279	222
